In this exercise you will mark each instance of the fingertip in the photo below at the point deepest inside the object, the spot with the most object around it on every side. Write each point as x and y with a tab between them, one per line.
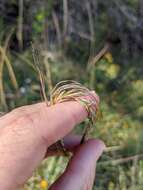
96	147
89	152
97	143
81	168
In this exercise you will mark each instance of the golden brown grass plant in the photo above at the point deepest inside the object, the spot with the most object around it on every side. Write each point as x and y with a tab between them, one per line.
4	60
68	90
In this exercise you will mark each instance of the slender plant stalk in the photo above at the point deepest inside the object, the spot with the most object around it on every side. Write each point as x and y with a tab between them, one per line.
24	59
48	72
10	69
35	55
91	27
99	55
2	94
65	17
20	25
58	30
122	160
2	60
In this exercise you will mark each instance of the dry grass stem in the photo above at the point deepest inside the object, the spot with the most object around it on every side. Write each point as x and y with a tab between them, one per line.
35	54
10	69
99	55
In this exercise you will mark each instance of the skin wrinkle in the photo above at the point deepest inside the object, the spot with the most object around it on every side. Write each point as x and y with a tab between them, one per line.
43	136
18	112
29	118
15	130
19	120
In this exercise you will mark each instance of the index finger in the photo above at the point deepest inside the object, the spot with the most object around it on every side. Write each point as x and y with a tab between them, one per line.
49	123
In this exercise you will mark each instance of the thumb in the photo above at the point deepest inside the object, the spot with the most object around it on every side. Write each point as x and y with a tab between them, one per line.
80	172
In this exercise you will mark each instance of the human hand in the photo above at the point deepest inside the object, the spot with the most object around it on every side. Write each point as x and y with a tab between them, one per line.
27	132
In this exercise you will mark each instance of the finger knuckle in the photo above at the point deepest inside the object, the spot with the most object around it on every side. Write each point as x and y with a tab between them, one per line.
22	116
19	111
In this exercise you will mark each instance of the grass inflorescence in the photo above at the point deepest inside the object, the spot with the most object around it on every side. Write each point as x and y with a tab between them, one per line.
70	90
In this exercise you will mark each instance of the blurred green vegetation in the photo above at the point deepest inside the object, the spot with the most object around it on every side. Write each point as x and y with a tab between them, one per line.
98	43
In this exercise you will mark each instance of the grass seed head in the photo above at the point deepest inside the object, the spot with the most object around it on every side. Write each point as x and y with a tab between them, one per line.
70	90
